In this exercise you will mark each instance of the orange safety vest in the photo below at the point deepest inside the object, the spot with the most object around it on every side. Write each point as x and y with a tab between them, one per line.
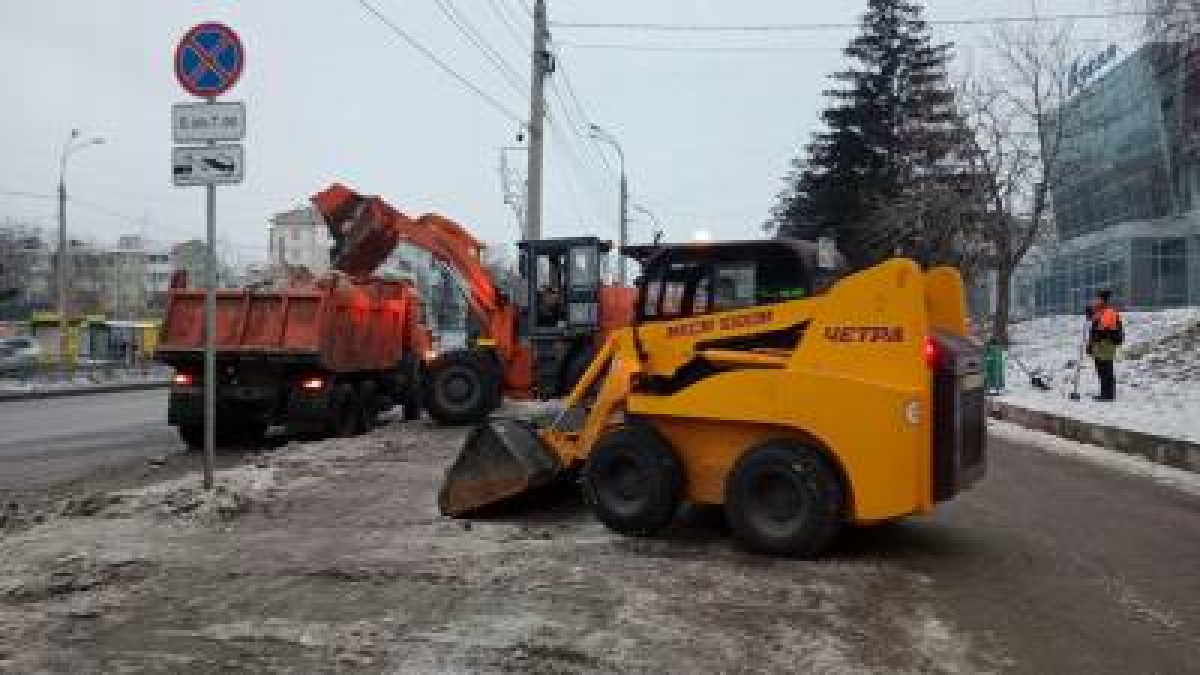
1108	319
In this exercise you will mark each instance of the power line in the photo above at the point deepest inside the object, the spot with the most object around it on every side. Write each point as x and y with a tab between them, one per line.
500	9
23	193
583	113
445	67
480	42
696	48
576	126
579	163
636	47
789	27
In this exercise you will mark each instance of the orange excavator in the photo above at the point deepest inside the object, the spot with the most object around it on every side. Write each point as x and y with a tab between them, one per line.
536	345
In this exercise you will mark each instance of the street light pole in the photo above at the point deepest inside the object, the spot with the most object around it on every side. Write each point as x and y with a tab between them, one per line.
649	214
69	148
623	224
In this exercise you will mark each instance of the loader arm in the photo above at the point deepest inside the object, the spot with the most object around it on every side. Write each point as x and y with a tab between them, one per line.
367	229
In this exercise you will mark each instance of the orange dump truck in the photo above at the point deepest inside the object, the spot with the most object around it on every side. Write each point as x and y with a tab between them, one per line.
318	357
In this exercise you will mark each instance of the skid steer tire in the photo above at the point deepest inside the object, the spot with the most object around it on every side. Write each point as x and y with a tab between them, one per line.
633	480
784	499
462	387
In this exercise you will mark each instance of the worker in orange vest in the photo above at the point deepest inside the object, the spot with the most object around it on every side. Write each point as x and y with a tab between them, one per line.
1104	336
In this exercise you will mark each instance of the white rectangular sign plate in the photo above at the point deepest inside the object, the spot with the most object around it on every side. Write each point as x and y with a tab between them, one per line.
207	165
200	122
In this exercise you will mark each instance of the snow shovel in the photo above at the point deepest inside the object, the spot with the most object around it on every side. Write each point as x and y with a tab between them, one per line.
1035	379
1074	395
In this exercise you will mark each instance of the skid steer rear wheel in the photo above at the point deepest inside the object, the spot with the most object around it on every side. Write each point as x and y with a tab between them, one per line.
633	480
785	499
462	387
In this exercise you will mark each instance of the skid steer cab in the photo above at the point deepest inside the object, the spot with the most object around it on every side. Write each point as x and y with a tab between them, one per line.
755	378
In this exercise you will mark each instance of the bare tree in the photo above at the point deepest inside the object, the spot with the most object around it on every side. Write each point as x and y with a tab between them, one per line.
1170	20
1020	146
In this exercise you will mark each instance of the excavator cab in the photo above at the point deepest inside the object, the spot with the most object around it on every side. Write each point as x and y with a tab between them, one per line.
562	308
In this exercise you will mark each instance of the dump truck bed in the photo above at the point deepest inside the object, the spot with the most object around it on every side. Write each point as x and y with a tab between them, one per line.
337	324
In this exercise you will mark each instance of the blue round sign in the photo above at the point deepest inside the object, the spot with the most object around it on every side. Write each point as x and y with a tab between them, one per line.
209	60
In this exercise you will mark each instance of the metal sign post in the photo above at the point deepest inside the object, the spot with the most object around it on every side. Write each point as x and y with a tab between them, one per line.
208	61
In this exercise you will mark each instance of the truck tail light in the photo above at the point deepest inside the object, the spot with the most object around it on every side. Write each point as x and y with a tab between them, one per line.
312	384
183	379
932	352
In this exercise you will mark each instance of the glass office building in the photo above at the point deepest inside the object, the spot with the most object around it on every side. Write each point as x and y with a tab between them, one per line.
1125	189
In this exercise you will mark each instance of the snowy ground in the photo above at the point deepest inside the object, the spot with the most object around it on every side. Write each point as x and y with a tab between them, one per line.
51	381
330	557
1158	372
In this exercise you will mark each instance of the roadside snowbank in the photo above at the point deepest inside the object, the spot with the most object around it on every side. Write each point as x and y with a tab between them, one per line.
1158	372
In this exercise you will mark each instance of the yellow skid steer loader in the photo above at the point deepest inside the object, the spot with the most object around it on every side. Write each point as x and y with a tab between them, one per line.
755	378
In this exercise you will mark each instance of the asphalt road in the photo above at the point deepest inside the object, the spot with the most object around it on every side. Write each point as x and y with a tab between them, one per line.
1059	565
47	441
1051	565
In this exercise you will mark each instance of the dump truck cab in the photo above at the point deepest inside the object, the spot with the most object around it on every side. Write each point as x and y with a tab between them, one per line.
762	377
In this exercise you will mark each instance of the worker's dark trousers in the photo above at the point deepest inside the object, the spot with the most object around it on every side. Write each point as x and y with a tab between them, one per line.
1108	378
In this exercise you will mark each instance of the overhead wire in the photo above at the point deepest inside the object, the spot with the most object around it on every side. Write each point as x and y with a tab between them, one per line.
102	209
511	24
476	38
818	26
441	64
584	117
587	171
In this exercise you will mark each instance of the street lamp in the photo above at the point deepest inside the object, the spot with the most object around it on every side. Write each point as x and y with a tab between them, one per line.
72	146
658	228
600	134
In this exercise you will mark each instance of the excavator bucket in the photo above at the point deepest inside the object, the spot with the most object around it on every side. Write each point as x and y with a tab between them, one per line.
501	458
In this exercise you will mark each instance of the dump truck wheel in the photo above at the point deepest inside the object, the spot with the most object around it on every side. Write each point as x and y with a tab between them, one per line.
410	398
192	436
347	418
633	480
368	406
785	499
462	387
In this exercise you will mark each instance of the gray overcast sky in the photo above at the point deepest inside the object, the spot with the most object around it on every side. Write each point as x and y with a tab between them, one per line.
333	95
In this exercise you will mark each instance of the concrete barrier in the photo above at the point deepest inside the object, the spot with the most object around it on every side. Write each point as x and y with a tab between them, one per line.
1173	452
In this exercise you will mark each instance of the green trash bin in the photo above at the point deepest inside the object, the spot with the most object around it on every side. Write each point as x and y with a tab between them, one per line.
993	367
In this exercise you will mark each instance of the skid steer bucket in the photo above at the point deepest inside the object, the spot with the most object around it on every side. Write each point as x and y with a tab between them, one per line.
501	458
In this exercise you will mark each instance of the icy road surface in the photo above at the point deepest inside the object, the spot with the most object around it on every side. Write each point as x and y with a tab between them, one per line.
330	557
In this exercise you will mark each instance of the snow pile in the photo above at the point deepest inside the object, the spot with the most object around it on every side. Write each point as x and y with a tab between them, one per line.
1158	372
236	492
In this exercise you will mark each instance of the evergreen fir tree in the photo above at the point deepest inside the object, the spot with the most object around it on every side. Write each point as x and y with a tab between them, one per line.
890	129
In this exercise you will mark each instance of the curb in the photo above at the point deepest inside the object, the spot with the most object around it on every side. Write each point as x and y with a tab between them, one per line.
1172	452
83	391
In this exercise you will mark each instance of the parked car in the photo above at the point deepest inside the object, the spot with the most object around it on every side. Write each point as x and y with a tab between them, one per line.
18	354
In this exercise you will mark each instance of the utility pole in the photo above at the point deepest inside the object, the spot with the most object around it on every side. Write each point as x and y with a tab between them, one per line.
510	185
63	294
542	65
